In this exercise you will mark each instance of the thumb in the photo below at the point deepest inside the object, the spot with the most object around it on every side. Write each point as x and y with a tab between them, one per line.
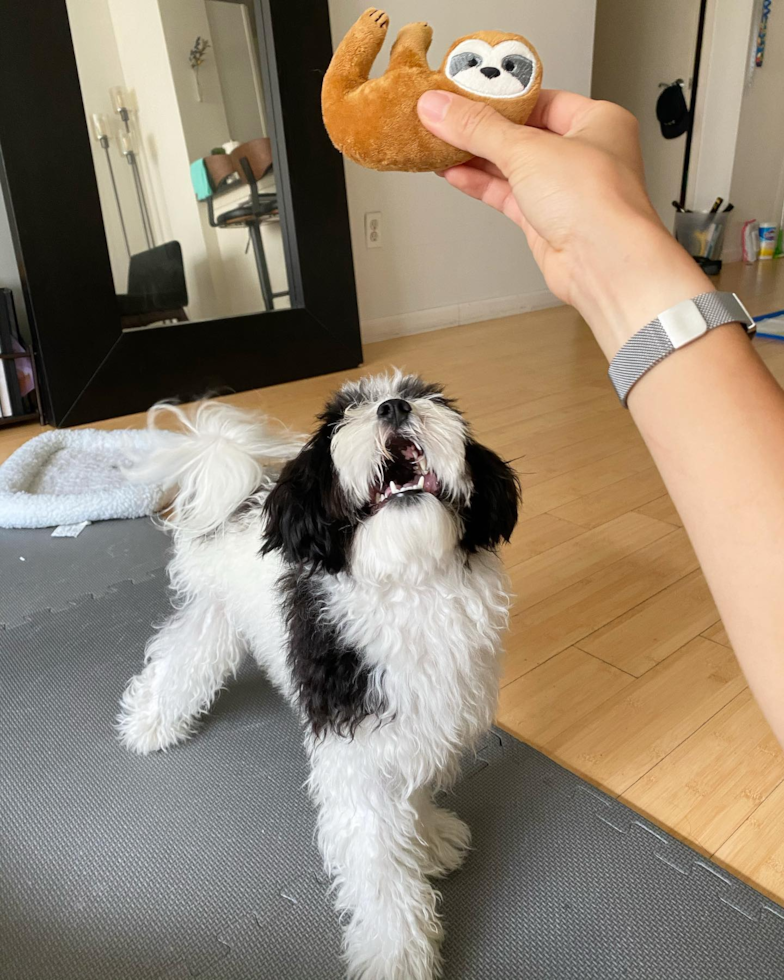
471	126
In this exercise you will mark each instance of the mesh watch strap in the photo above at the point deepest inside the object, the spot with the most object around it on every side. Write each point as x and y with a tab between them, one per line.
671	330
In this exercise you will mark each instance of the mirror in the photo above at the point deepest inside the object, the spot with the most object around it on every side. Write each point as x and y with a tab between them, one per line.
183	154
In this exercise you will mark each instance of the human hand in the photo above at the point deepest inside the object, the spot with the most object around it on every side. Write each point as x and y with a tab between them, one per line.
573	180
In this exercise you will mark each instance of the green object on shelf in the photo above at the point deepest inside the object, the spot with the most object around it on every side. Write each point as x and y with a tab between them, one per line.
779	251
201	180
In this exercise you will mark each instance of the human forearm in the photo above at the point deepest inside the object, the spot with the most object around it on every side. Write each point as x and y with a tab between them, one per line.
713	417
620	289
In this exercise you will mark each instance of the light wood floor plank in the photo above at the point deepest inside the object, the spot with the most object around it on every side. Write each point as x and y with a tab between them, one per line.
755	852
546	448
573	613
711	783
718	634
538	469
566	564
661	509
540	705
603	505
650	632
573	484
536	535
633	731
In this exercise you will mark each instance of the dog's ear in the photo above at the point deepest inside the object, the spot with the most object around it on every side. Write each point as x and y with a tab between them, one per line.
305	516
492	511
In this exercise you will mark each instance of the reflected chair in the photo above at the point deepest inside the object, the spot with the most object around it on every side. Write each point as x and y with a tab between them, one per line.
252	166
157	289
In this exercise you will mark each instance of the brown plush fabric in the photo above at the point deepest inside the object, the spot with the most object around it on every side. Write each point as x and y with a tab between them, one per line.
375	122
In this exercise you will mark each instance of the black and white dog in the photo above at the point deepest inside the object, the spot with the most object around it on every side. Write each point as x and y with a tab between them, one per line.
363	576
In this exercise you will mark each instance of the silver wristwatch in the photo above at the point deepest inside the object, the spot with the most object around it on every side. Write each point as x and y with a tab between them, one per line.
674	328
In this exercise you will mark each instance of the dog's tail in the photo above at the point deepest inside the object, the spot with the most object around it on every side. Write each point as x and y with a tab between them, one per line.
220	456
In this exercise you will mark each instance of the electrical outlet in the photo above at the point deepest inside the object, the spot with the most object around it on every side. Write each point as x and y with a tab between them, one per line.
373	229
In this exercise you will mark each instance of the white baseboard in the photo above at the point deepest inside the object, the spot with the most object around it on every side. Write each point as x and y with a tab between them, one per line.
423	321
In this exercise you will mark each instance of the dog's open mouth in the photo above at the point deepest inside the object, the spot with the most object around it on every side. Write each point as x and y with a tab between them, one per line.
405	472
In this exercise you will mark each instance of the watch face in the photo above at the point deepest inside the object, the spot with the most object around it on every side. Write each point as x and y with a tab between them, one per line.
683	323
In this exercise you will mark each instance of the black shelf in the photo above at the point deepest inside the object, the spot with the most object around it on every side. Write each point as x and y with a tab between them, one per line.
6	420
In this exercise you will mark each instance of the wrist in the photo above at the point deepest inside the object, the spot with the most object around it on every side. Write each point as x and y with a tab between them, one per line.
619	290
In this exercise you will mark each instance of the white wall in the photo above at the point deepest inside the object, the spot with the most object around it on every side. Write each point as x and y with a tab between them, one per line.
204	122
237	60
758	175
722	75
141	42
99	67
447	259
637	46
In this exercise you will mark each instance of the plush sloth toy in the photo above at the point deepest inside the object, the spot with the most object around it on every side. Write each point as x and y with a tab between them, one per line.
375	122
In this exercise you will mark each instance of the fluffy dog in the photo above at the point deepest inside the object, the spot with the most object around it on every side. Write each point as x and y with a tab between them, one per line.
362	575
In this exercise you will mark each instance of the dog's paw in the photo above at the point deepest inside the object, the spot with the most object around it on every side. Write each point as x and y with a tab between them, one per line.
142	725
449	840
407	955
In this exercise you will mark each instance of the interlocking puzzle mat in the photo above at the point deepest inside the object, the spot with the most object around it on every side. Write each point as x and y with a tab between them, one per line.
200	862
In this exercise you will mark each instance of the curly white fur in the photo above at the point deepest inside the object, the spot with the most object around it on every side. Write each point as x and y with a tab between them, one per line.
428	620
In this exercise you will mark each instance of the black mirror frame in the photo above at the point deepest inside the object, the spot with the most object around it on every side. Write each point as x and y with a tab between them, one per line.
88	367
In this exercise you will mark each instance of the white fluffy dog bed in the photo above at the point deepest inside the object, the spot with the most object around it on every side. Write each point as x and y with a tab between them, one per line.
75	475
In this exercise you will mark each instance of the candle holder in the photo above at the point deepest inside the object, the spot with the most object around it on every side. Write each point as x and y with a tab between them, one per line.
102	132
120	101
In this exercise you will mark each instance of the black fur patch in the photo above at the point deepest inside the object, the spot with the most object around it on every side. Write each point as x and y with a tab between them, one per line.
413	387
492	512
307	517
331	682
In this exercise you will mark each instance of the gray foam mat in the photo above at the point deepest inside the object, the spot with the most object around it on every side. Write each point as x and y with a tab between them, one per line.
200	862
39	572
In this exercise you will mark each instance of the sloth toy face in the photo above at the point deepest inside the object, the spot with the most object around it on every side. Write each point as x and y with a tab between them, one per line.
374	121
505	71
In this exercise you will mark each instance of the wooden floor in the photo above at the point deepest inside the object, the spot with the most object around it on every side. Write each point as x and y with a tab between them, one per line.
617	663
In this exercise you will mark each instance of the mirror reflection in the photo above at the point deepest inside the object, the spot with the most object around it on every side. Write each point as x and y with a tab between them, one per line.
182	147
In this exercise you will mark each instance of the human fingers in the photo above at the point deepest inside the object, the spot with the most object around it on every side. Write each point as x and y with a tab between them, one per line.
471	126
559	111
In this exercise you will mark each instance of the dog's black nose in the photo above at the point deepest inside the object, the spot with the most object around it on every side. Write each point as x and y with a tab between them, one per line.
395	411
490	72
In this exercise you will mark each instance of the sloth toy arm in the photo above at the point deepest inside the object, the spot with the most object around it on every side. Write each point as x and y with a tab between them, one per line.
411	47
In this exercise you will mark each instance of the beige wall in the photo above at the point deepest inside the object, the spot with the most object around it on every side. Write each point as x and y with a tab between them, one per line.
99	67
446	259
639	45
758	175
204	123
722	73
139	29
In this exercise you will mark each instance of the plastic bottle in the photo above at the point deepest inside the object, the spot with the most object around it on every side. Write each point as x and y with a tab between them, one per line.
767	234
